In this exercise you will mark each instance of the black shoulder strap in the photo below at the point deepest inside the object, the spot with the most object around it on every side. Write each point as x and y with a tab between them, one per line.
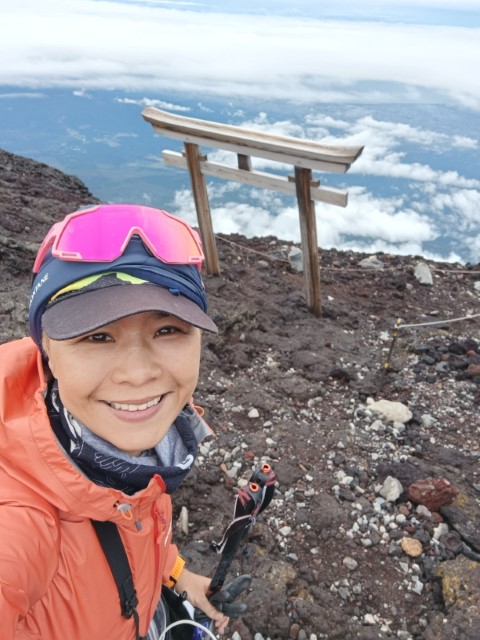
114	551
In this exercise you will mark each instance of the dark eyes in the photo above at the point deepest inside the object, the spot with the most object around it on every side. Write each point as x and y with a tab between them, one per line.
98	337
169	330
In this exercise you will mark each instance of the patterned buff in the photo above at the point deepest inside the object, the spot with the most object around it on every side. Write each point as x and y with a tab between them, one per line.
107	466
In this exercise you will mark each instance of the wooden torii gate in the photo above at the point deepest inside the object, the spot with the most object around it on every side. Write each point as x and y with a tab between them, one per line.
304	155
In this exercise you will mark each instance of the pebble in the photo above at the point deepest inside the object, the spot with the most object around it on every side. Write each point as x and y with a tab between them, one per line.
423	274
417	585
391	411
426	419
391	489
372	262
233	472
432	492
295	258
423	511
404	567
412	547
350	563
182	522
253	413
369	619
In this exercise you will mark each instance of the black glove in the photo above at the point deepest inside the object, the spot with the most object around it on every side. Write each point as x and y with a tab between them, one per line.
223	599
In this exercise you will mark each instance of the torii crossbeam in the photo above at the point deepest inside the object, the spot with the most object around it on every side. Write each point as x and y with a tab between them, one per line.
305	156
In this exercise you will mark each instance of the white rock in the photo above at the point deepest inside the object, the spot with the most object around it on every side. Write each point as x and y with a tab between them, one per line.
253	413
422	510
417	585
476	285
423	274
440	530
391	411
369	619
285	531
350	563
182	522
295	258
372	262
232	473
427	420
391	489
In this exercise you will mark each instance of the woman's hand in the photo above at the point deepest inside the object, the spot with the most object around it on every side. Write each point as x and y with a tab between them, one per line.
196	588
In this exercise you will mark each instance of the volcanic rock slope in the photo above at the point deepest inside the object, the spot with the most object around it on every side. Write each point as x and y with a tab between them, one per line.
371	427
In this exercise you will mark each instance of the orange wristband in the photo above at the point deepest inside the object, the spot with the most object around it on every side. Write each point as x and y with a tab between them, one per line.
176	572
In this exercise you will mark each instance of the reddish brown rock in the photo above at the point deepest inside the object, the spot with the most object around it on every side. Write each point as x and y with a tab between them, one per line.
474	369
432	492
437	518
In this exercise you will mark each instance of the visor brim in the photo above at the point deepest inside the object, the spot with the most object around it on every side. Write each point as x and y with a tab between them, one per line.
79	314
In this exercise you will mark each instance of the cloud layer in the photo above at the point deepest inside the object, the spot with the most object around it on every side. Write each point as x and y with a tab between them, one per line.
149	46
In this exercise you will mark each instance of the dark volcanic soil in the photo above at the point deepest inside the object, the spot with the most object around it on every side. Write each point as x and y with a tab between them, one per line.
348	548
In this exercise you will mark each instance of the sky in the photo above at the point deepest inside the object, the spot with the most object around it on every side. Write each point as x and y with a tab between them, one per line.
298	53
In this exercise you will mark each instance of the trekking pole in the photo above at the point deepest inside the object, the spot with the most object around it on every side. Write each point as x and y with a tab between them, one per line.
249	502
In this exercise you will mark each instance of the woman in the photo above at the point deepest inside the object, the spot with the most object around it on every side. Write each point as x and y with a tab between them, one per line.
97	425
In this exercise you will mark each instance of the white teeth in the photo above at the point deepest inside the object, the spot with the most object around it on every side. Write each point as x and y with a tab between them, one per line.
135	407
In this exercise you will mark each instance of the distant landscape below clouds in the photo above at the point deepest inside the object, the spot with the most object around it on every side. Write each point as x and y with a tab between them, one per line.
401	80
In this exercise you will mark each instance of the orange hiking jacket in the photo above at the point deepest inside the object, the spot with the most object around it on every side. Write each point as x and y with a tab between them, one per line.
55	582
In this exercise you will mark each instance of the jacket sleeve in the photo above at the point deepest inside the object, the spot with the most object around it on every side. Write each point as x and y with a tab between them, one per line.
29	544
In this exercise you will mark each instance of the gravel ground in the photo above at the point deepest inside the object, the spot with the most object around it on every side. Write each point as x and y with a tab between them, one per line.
373	531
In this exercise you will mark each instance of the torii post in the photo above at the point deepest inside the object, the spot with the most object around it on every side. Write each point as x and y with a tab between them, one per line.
304	155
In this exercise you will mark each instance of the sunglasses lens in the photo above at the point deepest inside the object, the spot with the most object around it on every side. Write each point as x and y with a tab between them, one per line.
101	235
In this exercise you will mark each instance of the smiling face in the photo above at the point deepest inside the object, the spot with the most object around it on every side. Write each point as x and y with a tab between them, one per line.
128	380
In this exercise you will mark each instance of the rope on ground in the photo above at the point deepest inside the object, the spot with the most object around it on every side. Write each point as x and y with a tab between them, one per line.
259	253
357	269
398	326
436	322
